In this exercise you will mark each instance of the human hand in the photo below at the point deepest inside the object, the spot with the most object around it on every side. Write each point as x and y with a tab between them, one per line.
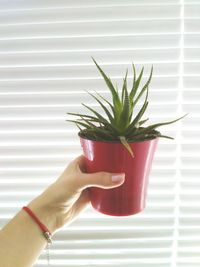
63	200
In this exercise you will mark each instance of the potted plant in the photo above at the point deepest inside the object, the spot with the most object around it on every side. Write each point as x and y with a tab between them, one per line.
118	142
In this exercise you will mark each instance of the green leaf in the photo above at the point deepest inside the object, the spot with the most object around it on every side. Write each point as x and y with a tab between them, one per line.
165	136
148	136
145	87
135	84
103	106
98	134
134	76
139	115
87	116
118	125
124	87
89	134
115	95
154	126
133	124
78	127
97	129
96	113
78	114
124	118
106	101
117	89
126	145
143	121
112	127
134	89
81	123
143	109
108	125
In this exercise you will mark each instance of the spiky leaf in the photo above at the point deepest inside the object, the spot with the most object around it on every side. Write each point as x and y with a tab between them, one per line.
116	99
154	126
139	115
104	107
124	118
135	84
126	145
119	125
145	87
111	106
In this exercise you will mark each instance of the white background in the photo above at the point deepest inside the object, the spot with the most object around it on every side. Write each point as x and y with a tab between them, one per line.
45	66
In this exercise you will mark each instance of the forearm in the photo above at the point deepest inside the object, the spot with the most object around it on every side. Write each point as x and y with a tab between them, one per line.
21	240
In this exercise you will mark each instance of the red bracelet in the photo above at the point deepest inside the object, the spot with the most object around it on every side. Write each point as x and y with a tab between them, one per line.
47	234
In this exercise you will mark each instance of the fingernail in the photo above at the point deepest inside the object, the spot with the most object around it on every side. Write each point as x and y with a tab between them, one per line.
118	177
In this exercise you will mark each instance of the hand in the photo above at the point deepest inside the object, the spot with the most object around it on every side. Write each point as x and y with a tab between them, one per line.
63	200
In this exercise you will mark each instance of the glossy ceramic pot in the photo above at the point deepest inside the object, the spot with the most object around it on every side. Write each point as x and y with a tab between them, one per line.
129	198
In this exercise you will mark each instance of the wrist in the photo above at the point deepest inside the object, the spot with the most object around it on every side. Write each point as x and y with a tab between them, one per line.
46	213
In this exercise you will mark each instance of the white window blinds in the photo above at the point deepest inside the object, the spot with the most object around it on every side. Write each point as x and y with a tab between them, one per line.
45	66
189	222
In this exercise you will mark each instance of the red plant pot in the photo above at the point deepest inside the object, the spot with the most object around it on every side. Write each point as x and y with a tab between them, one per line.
130	197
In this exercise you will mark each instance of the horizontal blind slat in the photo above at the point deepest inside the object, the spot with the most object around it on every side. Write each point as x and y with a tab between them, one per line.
83	13
37	4
87	42
80	57
92	28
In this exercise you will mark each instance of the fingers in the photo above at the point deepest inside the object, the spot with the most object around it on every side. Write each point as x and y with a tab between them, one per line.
77	164
80	161
104	180
80	180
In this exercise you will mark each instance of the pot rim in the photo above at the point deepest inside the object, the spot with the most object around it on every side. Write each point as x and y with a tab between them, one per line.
115	142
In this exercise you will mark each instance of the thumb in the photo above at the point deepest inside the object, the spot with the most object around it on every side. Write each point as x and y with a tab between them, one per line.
104	180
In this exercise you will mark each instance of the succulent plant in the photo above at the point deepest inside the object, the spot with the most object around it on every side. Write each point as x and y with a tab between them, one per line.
118	123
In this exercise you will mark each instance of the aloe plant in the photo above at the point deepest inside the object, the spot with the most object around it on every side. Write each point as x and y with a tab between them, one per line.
118	123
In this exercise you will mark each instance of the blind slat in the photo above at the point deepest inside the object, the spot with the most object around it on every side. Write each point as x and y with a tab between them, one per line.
45	67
